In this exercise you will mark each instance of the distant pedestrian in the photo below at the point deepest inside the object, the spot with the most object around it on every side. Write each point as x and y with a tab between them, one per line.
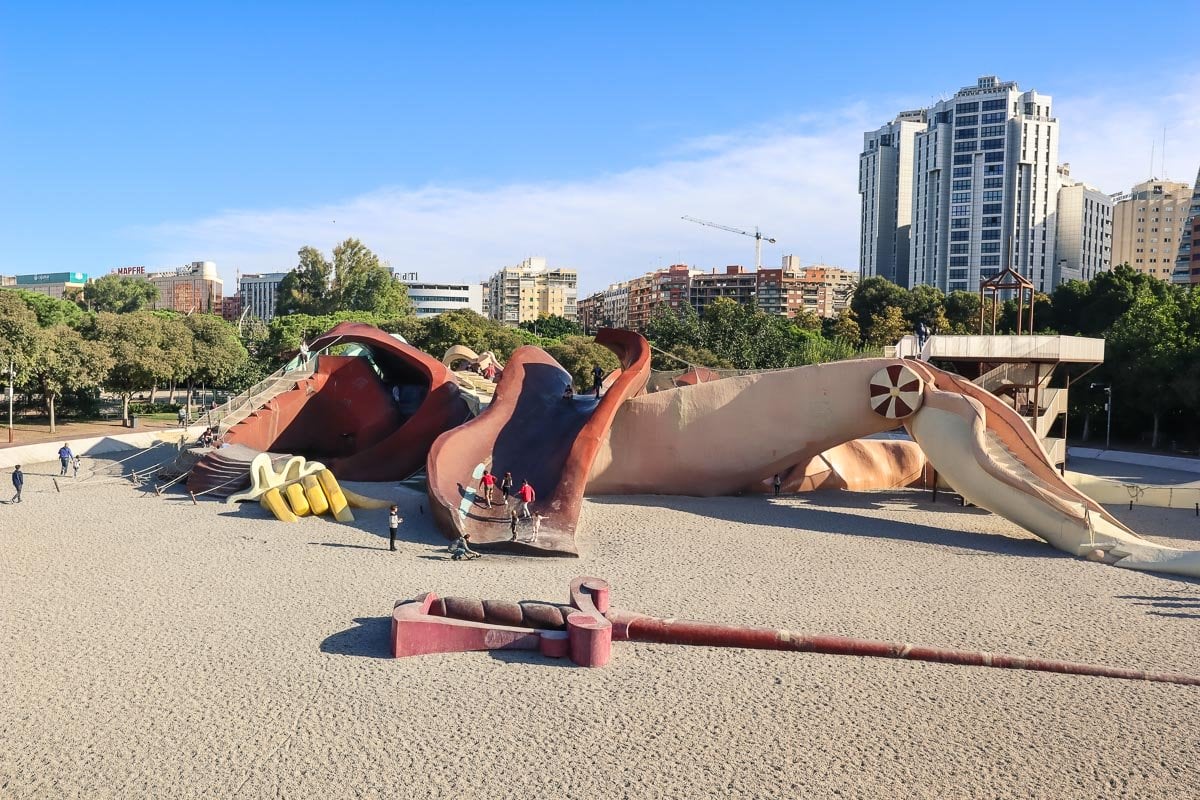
597	379
568	393
922	334
486	484
461	548
512	521
75	466
537	526
393	524
65	457
777	483
183	416
526	495
18	479
304	352
506	486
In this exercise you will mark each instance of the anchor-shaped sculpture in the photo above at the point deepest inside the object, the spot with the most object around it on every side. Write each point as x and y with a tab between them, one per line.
585	628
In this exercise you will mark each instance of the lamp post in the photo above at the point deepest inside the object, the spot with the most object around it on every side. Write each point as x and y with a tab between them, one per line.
1107	407
12	379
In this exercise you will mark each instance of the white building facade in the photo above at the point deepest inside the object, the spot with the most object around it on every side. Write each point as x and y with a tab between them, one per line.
432	298
1084	227
259	292
985	191
885	174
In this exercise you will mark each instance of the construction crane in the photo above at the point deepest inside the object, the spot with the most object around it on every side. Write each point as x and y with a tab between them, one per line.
758	237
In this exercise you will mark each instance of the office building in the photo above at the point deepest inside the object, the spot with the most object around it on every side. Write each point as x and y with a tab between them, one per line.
52	284
885	175
1187	258
432	298
1083	242
985	191
1148	224
531	290
258	292
193	287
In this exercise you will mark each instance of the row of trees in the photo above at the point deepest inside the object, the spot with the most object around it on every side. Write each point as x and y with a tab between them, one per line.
56	349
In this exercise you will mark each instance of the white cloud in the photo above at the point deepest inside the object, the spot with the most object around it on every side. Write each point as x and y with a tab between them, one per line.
796	179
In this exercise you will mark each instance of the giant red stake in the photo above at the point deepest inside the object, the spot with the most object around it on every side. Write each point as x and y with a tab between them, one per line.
585	629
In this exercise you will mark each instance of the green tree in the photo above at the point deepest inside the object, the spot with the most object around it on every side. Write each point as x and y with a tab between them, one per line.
18	332
1146	348
135	341
887	327
845	327
962	313
871	297
363	283
217	355
579	354
64	361
552	326
119	294
51	310
924	304
307	288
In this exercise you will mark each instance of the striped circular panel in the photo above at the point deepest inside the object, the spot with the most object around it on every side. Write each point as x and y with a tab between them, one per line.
895	392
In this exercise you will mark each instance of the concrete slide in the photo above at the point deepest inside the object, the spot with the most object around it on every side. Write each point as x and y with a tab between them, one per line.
532	431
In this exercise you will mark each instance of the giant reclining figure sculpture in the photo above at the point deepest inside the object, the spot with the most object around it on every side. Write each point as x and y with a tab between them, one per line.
730	435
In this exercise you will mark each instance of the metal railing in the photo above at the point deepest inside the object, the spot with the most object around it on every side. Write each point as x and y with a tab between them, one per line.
246	402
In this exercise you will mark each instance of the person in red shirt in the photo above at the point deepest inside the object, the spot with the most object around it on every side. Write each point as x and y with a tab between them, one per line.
486	484
527	495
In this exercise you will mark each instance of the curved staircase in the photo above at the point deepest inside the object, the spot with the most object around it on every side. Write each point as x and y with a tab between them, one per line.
226	470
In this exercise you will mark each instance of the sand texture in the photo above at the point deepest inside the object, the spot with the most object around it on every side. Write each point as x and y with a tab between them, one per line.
150	648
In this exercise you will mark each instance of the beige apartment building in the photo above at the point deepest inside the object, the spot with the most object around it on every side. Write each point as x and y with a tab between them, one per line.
194	287
531	290
1148	224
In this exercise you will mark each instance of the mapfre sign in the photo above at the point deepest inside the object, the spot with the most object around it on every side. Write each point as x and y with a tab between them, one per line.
129	271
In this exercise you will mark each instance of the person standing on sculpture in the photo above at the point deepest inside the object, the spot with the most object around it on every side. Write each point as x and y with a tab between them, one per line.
506	487
65	457
512	521
527	495
597	379
777	483
393	524
486	484
18	481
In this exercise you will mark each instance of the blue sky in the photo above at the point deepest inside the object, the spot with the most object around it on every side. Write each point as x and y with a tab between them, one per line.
456	140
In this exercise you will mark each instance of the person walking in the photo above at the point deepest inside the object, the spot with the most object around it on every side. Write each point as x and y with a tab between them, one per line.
486	484
512	521
597	379
75	467
506	487
777	483
393	524
527	495
18	480
65	457
182	416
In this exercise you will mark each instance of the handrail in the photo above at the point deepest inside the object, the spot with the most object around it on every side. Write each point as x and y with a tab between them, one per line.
245	398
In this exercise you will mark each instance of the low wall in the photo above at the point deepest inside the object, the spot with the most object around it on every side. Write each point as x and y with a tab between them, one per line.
1141	459
43	452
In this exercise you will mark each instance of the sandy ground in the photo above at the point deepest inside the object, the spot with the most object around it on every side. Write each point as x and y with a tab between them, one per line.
152	648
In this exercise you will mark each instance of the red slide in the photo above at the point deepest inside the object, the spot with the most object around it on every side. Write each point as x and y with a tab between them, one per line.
535	433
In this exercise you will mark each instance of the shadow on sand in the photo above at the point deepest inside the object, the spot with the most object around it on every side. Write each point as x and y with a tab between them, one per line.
817	517
369	638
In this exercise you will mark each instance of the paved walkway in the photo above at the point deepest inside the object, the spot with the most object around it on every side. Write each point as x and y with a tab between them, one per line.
34	433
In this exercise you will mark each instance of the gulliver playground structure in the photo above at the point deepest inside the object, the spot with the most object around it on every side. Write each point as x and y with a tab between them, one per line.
381	409
387	409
